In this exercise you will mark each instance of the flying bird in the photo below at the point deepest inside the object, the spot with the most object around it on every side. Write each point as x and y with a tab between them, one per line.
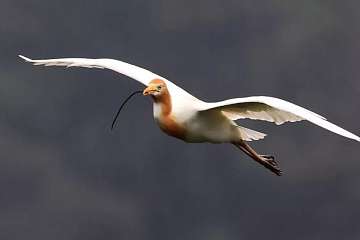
181	115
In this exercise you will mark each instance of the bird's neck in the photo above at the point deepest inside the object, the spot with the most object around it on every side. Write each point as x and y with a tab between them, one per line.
165	117
164	103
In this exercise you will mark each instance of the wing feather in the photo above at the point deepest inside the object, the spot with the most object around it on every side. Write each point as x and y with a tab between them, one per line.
273	110
141	75
180	97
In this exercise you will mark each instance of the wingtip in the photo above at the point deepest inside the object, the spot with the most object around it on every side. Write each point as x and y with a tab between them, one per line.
355	137
25	58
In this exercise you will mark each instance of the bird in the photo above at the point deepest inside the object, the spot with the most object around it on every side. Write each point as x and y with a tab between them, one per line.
181	115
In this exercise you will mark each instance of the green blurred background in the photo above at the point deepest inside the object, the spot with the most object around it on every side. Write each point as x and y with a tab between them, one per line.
64	175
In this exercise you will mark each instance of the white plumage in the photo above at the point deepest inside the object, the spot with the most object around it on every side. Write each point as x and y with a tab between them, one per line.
194	120
274	110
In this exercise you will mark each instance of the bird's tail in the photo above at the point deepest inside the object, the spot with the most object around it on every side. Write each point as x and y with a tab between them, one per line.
247	134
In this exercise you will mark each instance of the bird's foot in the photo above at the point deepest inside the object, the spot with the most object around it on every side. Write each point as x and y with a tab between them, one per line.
271	164
270	159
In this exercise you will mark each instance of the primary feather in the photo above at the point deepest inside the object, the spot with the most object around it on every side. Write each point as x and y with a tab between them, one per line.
141	75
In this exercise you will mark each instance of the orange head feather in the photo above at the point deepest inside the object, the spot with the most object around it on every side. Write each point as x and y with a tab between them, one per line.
157	89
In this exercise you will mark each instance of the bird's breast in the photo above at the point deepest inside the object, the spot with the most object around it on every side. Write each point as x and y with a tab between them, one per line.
171	127
167	121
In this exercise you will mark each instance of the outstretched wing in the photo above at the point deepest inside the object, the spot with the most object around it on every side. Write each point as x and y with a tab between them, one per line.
142	75
273	110
180	96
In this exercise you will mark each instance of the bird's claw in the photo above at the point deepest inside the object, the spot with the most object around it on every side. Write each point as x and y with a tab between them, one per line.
273	165
270	159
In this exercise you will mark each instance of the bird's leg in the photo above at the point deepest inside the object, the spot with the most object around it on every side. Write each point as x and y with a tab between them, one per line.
266	160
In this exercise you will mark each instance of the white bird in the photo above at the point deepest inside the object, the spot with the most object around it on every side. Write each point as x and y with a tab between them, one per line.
181	115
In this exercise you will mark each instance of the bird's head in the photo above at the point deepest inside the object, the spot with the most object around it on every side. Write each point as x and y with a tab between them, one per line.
156	88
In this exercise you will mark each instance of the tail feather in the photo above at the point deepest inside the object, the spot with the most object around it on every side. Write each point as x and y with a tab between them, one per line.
247	134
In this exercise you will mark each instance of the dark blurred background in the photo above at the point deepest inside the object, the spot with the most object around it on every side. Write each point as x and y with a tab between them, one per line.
64	175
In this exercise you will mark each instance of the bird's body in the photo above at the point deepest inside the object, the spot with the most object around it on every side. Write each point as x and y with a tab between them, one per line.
181	115
187	122
198	127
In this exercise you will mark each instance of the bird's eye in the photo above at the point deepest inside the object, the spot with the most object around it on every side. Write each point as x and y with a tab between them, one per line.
158	88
